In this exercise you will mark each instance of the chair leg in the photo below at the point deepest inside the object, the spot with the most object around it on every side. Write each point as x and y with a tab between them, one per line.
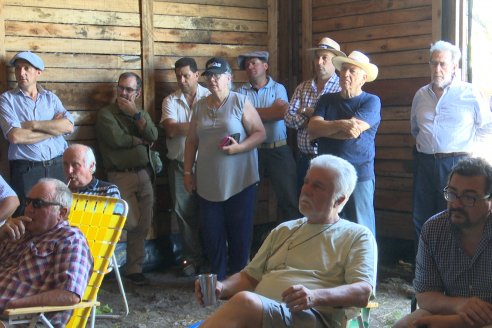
114	265
360	321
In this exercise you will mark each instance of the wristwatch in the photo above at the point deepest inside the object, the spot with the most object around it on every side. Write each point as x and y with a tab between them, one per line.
303	111
137	116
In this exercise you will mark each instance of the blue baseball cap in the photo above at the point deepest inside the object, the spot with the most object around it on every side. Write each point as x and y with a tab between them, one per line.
216	65
30	57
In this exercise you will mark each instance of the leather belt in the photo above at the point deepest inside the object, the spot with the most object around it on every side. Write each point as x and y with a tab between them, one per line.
131	169
273	145
50	162
446	155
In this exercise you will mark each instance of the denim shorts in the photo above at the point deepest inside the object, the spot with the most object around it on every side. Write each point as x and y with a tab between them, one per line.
276	315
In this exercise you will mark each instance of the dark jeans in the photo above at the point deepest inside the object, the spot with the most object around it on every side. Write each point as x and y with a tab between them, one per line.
303	161
25	174
227	229
430	176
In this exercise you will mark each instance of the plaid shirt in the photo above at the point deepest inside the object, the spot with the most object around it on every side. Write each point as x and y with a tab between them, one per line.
443	266
57	259
306	95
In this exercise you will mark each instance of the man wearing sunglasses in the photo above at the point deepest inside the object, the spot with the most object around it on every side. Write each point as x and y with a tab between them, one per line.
453	277
43	260
124	133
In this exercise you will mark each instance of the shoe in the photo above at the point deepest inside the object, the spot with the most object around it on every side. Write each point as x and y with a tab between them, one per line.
188	269
137	279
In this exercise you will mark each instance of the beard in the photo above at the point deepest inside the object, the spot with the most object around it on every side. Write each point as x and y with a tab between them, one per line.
461	222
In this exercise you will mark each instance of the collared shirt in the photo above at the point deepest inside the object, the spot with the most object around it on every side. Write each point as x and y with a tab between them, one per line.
443	266
451	123
100	188
17	107
306	95
116	134
176	107
265	97
57	259
5	189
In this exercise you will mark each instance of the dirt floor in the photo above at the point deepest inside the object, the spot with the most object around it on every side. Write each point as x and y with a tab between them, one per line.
169	300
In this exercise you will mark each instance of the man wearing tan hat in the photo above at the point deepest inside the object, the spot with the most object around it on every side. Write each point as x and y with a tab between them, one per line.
304	100
346	124
275	157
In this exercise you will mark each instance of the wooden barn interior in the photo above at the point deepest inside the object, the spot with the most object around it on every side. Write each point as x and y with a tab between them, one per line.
87	44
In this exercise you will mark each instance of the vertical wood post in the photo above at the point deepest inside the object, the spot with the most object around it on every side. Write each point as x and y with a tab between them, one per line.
3	60
436	20
147	41
307	38
272	36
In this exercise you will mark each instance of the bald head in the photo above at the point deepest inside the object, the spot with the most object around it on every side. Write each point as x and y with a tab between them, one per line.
79	164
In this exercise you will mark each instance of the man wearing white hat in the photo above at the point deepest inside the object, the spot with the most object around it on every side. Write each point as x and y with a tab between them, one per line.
346	124
275	157
34	122
306	96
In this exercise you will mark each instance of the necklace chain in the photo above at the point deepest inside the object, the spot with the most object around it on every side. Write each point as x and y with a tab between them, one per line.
290	246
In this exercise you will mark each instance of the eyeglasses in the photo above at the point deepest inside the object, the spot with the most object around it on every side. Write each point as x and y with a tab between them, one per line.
216	77
466	200
127	89
39	203
443	65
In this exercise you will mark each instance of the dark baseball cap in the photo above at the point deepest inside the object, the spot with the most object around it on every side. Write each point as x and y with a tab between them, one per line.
216	65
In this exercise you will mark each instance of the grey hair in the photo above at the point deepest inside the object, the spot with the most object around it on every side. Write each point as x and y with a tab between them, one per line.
89	156
345	174
62	194
449	47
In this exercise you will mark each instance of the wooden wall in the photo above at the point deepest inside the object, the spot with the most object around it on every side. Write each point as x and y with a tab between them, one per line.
87	44
396	35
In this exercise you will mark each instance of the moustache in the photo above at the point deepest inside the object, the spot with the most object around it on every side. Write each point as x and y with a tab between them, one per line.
457	210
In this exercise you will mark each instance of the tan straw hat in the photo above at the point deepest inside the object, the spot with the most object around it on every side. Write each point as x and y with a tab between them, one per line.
357	58
329	45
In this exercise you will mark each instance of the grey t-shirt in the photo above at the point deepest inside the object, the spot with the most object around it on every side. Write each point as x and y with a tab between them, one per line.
220	176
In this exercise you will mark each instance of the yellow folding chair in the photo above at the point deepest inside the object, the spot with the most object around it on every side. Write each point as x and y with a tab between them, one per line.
361	319
96	218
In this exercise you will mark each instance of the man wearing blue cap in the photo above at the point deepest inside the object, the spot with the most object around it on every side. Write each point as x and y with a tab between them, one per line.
34	122
275	157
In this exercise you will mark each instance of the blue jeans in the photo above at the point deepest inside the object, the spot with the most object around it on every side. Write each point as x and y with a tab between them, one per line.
227	229
430	177
360	206
303	161
279	166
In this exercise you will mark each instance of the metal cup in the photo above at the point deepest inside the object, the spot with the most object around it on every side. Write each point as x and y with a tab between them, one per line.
207	287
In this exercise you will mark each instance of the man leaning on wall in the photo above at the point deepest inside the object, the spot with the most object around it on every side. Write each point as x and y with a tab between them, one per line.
34	121
124	133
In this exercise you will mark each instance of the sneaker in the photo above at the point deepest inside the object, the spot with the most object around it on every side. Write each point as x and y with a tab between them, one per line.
137	279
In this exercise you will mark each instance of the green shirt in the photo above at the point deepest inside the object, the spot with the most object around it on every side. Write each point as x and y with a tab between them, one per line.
116	132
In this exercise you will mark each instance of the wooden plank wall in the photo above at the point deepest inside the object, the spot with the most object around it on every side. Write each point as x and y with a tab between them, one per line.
396	35
87	44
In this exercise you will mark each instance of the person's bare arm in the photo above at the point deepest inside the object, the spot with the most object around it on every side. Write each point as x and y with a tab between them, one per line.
299	298
175	129
35	131
191	147
336	129
238	282
49	298
8	205
472	309
14	228
275	112
254	128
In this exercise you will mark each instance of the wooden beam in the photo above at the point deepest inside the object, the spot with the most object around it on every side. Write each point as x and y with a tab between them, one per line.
272	37
436	20
307	38
3	59
147	27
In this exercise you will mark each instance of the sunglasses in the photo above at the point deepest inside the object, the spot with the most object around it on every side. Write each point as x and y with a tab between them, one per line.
39	203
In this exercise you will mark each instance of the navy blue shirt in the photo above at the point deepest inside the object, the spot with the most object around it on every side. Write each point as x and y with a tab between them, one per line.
359	151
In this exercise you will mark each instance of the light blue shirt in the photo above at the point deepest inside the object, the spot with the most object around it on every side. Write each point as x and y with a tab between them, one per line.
453	123
5	189
17	107
265	97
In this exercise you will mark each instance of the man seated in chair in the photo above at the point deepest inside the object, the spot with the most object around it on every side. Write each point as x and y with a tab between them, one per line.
43	260
79	165
453	271
306	268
